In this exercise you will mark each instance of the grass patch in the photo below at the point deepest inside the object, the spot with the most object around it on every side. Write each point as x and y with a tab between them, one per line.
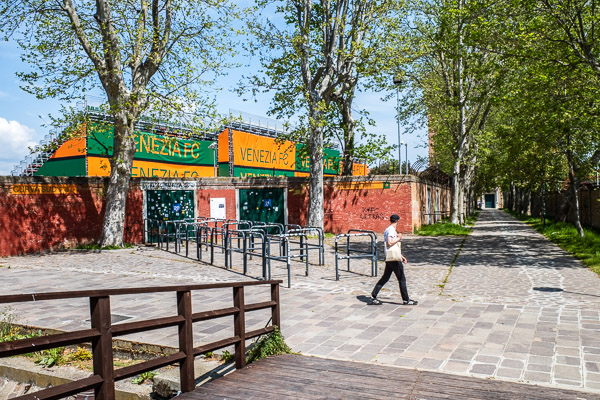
10	331
269	345
445	228
143	377
586	249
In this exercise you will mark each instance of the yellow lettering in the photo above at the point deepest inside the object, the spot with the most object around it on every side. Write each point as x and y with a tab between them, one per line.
144	144
195	145
185	149
162	151
176	149
154	146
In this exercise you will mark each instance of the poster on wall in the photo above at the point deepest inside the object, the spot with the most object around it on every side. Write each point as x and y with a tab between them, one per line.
217	208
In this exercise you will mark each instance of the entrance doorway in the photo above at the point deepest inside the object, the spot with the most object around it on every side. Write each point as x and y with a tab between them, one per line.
490	200
266	205
169	205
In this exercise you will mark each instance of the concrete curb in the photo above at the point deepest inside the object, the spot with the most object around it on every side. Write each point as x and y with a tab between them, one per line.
24	371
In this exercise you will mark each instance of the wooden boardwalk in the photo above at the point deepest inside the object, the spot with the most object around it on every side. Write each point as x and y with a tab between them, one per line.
301	377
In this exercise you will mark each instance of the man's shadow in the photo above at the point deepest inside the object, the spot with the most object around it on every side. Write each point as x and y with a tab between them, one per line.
367	300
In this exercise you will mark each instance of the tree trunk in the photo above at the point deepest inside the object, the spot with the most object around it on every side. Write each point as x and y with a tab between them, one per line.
574	188
118	186
348	127
316	197
454	214
511	197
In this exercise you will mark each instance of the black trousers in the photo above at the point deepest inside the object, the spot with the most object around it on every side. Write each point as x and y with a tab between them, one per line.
398	269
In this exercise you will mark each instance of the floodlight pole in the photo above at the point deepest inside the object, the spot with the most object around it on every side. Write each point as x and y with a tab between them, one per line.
213	146
406	156
398	82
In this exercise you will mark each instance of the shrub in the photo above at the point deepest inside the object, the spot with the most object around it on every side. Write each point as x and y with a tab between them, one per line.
269	345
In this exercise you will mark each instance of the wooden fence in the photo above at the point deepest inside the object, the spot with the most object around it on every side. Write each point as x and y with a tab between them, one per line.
102	332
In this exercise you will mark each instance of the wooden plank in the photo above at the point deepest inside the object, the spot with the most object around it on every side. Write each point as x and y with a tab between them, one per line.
149	365
62	391
258	332
239	327
19	298
271	378
146	325
334	382
298	388
186	341
215	345
212	314
260	306
293	376
349	367
102	354
16	347
276	310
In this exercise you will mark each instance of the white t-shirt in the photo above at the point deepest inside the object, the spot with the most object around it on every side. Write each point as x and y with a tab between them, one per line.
390	232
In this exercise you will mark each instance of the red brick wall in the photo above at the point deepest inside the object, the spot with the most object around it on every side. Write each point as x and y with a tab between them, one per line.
203	196
39	222
134	218
368	209
34	223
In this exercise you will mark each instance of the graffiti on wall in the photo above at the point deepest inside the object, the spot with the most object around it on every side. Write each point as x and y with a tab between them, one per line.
372	213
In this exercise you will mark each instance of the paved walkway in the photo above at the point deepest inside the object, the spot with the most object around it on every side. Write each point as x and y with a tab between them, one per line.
514	307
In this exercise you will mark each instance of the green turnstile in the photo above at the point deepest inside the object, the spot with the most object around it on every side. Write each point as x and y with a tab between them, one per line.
266	205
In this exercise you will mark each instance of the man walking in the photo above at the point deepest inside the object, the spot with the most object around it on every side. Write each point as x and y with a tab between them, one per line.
390	238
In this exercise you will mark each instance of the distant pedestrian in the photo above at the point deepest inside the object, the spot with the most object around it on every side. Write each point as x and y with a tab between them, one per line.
390	238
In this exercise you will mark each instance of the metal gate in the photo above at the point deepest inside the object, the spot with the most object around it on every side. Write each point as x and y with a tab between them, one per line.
266	205
169	205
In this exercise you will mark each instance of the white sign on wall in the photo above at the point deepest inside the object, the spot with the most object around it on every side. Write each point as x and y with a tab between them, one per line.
217	207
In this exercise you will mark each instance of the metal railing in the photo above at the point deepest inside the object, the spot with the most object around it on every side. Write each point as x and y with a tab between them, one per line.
102	331
258	240
287	254
356	252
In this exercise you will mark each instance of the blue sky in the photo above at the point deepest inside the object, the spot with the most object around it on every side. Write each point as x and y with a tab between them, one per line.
22	116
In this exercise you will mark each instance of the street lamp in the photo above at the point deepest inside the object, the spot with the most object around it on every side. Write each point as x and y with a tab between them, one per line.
398	82
405	155
213	147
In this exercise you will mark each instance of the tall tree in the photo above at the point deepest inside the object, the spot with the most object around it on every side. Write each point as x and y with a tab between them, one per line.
457	79
553	49
311	62
146	54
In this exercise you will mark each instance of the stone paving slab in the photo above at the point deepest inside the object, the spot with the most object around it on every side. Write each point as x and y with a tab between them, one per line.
515	307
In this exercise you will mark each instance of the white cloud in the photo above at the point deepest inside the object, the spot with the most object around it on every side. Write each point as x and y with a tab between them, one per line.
15	140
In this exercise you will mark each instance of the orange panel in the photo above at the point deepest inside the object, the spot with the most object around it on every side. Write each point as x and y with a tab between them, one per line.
263	152
223	152
71	148
99	166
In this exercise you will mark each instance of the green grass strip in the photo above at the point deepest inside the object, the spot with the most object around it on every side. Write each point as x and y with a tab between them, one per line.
445	228
586	249
443	284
